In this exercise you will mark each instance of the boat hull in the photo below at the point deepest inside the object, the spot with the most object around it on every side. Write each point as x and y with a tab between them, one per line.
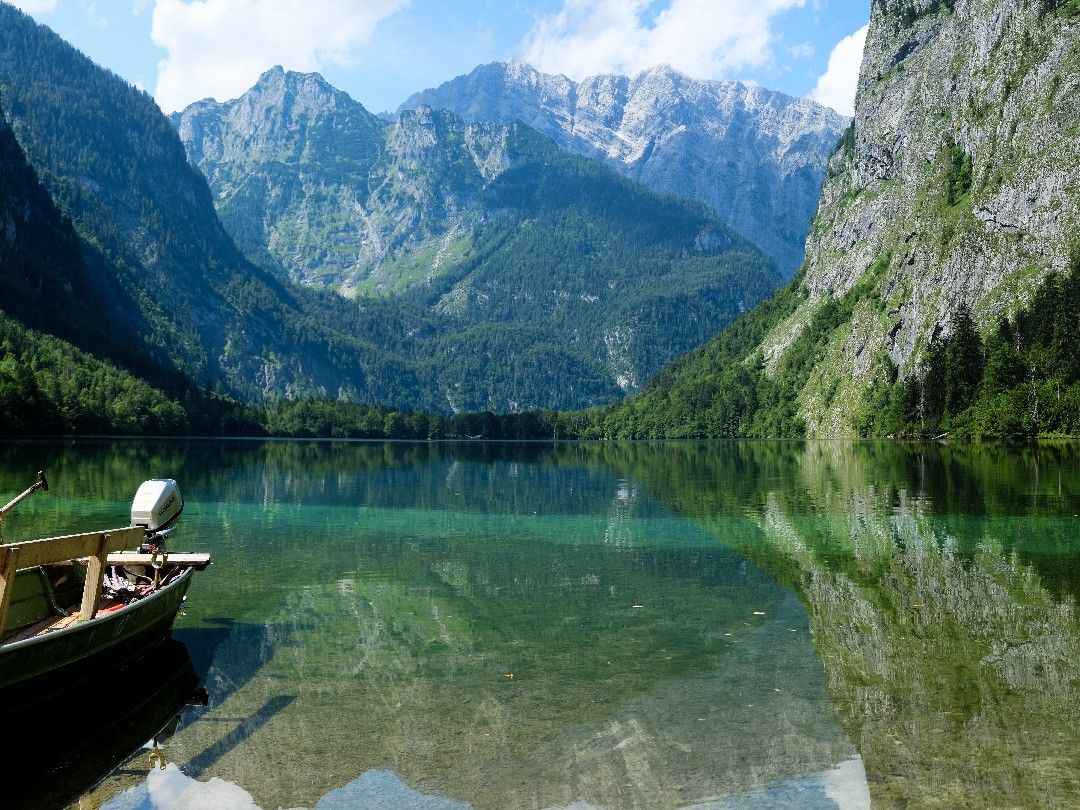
33	670
67	747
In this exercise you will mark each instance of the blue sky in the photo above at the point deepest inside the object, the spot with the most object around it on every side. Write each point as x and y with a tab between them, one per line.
381	51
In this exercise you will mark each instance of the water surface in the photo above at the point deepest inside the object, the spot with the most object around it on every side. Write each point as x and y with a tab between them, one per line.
725	625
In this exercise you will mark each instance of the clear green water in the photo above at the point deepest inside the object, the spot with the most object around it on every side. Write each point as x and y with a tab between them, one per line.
731	625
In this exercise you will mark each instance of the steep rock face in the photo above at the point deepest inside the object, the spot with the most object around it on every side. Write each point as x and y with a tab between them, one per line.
958	186
755	156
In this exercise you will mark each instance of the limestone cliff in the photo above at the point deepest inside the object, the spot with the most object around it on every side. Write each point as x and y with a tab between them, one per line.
959	184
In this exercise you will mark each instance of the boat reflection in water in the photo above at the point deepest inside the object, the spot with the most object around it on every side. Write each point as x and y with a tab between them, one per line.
56	754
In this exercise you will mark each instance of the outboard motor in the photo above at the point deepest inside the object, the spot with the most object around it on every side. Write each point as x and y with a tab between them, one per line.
156	507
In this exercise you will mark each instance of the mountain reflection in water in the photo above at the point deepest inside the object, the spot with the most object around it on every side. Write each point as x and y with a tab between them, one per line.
738	624
841	787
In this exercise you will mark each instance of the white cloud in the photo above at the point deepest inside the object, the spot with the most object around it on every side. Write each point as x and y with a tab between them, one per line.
837	85
218	48
804	50
35	6
703	38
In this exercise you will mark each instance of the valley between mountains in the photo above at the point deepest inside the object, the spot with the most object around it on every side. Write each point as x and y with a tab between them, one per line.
639	254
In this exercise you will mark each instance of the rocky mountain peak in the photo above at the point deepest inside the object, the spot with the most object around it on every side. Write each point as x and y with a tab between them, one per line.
517	70
264	122
300	93
287	100
665	75
756	157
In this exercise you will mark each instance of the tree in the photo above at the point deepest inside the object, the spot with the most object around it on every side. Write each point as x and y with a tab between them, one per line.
963	363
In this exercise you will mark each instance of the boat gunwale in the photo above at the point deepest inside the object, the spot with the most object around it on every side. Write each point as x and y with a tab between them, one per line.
97	620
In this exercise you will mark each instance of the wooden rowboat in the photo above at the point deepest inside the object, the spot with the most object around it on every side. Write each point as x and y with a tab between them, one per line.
74	606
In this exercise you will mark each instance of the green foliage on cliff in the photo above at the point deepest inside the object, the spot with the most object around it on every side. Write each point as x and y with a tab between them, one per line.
1022	381
1067	8
908	12
957	174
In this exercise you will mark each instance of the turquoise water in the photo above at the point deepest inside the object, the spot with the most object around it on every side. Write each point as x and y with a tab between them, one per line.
730	625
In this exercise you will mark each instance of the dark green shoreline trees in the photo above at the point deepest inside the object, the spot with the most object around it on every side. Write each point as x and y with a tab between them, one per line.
1020	381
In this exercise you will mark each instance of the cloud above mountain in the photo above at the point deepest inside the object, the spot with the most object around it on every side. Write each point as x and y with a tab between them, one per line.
703	38
218	48
837	85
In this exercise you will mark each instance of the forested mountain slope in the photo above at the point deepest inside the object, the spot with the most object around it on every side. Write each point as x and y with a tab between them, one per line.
951	201
47	384
148	233
755	156
44	280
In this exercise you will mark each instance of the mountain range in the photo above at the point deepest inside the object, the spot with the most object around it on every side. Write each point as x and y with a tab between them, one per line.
162	281
529	262
289	244
506	274
755	156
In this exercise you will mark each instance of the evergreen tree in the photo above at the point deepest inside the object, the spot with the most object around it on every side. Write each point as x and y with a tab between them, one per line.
962	363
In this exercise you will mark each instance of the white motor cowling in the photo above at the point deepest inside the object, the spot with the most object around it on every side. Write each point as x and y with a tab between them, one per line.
157	505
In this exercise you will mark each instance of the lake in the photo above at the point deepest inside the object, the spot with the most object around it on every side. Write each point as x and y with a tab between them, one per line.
744	624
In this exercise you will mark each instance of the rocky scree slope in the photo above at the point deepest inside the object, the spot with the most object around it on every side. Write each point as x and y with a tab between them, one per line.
755	156
550	280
